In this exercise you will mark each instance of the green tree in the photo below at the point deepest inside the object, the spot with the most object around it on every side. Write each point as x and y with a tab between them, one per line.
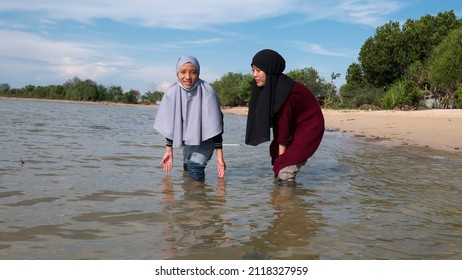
55	92
358	95
29	91
151	97
233	89
446	63
76	89
88	90
418	73
245	90
422	35
458	95
382	56
310	78
4	88
131	97
115	94
332	99
70	88
354	75
356	91
15	92
39	92
401	93
387	55
102	93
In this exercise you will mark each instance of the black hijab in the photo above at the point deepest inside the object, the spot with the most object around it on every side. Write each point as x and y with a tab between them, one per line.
266	101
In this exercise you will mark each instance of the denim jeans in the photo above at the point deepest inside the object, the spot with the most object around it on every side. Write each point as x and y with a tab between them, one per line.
195	159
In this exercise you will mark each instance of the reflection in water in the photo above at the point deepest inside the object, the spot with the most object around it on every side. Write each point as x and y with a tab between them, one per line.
194	220
84	182
289	234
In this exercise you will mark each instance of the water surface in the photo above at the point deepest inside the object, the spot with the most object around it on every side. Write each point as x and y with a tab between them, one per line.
82	181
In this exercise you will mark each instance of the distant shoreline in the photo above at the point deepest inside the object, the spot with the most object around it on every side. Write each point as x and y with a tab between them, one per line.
76	101
439	129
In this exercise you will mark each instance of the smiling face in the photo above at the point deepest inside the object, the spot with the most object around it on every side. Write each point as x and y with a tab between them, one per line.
259	76
187	75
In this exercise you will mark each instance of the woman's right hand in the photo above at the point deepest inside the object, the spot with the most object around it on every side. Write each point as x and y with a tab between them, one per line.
167	159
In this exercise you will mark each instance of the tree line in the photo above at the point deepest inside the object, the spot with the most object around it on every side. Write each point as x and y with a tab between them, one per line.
74	89
404	64
233	89
401	66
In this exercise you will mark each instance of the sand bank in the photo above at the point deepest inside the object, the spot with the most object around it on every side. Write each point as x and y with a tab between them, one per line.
436	129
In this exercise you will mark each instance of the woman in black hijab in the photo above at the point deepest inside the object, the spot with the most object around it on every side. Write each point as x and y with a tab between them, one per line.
290	108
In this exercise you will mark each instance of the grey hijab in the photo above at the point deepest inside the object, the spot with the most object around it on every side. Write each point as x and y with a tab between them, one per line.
189	117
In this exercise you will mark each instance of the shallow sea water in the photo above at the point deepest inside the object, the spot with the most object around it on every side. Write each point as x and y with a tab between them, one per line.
83	181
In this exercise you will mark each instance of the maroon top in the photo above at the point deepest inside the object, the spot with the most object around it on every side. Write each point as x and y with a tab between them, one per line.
299	124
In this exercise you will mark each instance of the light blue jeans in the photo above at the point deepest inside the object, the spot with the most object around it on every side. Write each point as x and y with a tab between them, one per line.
195	159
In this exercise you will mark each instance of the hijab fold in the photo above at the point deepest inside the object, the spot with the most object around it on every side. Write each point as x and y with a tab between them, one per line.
266	101
189	117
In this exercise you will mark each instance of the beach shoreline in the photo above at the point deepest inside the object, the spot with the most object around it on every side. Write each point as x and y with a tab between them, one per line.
439	129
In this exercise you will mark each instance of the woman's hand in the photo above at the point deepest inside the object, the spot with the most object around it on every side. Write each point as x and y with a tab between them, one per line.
282	149
167	159
221	165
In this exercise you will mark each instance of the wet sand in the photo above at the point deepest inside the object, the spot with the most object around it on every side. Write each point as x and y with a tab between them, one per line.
437	129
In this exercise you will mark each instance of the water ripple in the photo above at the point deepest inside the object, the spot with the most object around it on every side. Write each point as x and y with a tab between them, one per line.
84	182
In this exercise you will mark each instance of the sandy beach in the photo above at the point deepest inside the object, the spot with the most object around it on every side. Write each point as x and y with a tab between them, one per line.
437	129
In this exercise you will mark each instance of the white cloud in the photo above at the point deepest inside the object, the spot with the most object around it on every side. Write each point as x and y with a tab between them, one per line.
28	45
364	12
163	86
320	50
195	43
171	14
146	77
369	12
29	57
50	59
205	14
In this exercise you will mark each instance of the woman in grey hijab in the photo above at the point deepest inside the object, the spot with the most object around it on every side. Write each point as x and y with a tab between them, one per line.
189	116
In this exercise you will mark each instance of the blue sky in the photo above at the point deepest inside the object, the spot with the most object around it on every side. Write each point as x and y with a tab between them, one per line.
135	44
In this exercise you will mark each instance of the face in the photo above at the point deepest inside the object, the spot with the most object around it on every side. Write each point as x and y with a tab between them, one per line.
187	75
259	76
